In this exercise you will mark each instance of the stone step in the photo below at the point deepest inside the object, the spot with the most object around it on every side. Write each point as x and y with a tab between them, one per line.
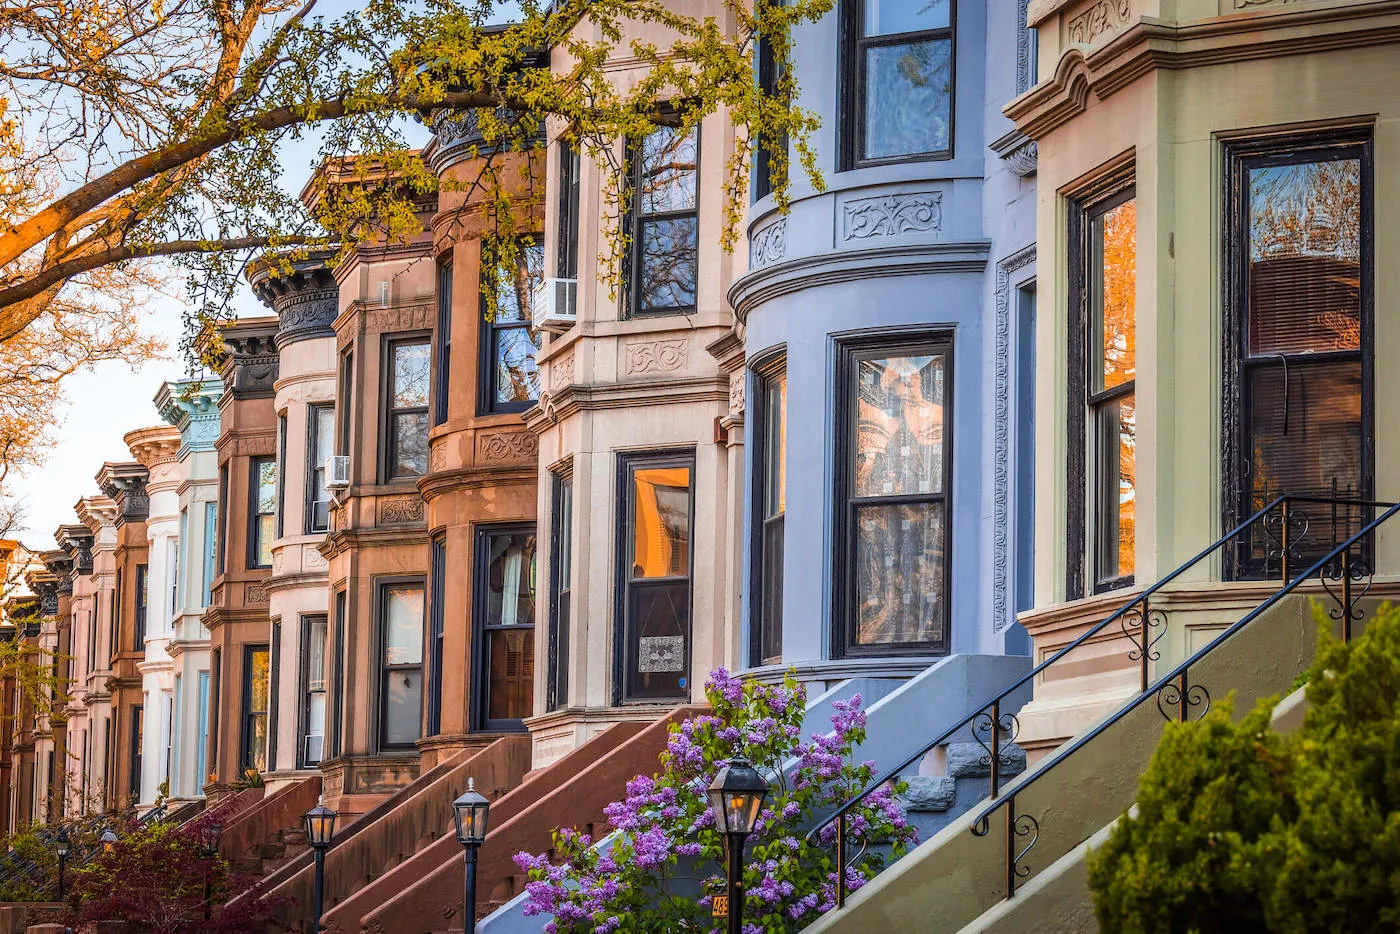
970	760
930	793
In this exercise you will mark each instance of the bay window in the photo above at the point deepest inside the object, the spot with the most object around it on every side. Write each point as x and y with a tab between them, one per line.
899	80
1298	383
1103	390
770	500
663	222
256	693
401	663
405	409
893	489
505	627
510	377
262	512
313	687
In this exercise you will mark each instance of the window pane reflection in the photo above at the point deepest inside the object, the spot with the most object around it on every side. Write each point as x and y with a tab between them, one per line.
1115	294
661	522
899	573
908	98
899	445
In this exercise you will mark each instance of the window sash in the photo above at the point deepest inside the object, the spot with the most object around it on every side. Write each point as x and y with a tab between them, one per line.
561	584
437	569
493	330
638	219
315	630
255	718
261	521
769	524
442	353
142	598
320	428
399	462
566	260
394	726
858	45
487	690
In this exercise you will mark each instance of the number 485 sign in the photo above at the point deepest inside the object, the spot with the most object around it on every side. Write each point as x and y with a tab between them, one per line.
719	906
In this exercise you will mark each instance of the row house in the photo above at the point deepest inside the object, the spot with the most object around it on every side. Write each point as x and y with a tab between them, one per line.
237	616
191	407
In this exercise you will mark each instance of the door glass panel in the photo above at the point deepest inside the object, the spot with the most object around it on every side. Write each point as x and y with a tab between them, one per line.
661	522
1114	294
403	626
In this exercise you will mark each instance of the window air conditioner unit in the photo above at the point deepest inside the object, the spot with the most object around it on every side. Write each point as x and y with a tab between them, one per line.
554	304
338	472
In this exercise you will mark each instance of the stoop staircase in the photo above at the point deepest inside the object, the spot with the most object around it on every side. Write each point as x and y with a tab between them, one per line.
1017	862
263	836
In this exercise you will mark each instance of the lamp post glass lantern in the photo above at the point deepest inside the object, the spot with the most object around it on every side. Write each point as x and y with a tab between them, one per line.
736	798
320	828
62	849
109	839
469	813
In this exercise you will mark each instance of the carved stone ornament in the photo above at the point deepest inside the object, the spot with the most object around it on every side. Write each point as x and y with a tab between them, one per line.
255	593
278	561
1022	160
561	372
437	457
664	356
312	558
400	509
661	654
509	446
736	393
892	215
769	244
1101	19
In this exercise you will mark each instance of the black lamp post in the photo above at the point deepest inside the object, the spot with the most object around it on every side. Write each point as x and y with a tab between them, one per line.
209	848
736	798
320	827
469	812
62	848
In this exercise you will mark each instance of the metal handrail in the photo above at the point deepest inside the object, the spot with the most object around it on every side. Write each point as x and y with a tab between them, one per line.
989	717
1180	688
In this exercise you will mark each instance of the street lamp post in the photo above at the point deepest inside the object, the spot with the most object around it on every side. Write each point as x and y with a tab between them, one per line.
109	840
62	848
736	798
320	828
469	813
209	848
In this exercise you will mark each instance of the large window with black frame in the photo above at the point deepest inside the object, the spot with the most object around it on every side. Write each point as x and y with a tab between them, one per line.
1298	367
893	489
899	81
505	626
143	598
442	349
770	498
405	419
566	260
437	612
320	443
256	684
561	582
1103	389
401	663
655	569
510	378
313	691
663	222
262	514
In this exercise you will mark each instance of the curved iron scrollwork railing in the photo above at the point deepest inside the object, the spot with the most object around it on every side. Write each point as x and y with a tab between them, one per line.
1285	523
1176	696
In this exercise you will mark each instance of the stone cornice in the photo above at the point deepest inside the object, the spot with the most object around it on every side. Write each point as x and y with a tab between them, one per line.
60	564
95	512
76	542
571	399
817	269
303	292
1150	43
192	406
440	482
125	483
154	446
248	359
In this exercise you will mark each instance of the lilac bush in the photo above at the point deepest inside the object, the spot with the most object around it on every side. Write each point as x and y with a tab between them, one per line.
667	858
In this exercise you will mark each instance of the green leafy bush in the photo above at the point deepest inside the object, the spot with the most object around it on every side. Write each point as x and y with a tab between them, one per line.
1240	829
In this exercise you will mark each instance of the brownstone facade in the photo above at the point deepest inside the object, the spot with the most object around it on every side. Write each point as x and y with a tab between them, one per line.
238	615
481	488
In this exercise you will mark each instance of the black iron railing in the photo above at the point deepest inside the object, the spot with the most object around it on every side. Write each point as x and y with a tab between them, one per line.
1282	534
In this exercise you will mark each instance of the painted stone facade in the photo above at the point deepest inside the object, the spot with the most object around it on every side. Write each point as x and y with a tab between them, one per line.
887	327
627	427
237	617
192	407
1188	135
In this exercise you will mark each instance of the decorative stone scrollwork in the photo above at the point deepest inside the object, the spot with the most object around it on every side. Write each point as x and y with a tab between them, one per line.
509	446
312	558
255	593
769	244
561	372
736	393
400	509
892	215
1104	17
655	356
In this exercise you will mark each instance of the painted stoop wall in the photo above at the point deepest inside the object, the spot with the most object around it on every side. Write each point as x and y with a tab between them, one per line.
959	879
901	717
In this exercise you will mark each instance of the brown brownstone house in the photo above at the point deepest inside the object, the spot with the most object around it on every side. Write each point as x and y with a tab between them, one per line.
481	482
377	547
237	618
59	566
125	484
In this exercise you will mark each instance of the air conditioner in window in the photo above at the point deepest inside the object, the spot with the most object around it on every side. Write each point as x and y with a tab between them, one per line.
554	304
338	472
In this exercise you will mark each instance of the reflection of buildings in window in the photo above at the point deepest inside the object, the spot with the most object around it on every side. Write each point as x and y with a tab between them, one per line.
900	421
662	537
